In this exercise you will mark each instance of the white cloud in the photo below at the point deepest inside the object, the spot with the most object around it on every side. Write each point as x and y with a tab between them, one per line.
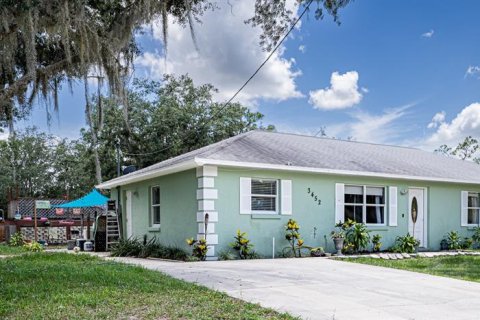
342	93
229	53
428	34
466	123
437	120
472	71
3	135
386	127
302	48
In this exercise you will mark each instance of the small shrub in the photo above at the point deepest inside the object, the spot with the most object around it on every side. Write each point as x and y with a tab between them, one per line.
242	245
358	235
174	253
33	246
254	255
467	243
453	240
199	248
226	255
476	236
377	244
131	247
348	248
16	240
293	237
405	244
148	248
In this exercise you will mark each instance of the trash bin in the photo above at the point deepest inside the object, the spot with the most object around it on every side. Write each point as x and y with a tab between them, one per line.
88	245
80	243
71	244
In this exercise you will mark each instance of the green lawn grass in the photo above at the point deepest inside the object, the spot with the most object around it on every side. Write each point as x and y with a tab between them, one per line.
459	267
6	250
68	286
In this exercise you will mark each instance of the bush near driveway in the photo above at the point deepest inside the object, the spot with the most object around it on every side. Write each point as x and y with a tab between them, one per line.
68	286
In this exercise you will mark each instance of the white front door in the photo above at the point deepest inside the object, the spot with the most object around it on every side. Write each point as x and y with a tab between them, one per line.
417	214
128	213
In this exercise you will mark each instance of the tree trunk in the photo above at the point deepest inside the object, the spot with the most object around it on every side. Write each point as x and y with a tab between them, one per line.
98	167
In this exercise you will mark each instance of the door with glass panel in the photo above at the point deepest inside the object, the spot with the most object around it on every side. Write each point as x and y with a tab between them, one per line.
416	214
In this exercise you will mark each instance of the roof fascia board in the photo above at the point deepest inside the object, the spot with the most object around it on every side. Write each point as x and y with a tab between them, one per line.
182	166
226	163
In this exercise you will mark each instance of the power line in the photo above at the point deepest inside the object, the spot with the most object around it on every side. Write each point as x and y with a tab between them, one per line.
242	87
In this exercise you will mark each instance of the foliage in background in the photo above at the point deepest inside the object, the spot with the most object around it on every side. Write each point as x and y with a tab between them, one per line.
199	248
47	43
377	244
476	237
225	255
242	245
357	236
168	118
467	243
468	149
317	252
453	240
293	237
16	240
173	112
133	247
405	244
40	165
33	246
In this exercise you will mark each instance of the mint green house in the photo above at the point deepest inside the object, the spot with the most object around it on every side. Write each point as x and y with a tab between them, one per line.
258	180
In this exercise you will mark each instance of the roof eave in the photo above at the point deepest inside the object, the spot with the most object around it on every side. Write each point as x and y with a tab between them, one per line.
129	179
266	166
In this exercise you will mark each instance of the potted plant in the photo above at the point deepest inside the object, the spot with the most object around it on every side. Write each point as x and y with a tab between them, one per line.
317	252
338	237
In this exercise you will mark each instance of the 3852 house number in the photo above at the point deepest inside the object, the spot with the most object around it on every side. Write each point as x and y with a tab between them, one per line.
314	196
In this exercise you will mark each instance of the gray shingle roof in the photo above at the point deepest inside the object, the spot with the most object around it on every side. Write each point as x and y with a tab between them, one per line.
329	154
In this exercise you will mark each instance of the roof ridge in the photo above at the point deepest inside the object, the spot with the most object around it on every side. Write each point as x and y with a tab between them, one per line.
222	143
340	140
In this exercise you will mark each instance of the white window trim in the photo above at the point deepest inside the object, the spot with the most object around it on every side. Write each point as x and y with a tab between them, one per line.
473	224
364	205
276	196
155	225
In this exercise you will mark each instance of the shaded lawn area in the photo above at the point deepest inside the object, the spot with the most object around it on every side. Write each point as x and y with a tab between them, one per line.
459	267
6	250
68	286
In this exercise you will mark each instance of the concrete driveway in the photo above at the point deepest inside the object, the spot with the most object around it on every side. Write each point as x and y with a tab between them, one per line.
318	288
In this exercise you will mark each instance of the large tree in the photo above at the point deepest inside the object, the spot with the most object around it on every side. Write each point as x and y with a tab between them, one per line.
35	164
166	118
44	44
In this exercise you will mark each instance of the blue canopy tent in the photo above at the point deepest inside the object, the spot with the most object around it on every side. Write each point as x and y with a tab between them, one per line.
92	199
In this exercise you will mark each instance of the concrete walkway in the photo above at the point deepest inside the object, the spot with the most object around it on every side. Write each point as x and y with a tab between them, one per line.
318	288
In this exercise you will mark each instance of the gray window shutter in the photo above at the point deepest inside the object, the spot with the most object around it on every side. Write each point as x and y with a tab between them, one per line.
464	212
245	195
392	206
339	202
286	197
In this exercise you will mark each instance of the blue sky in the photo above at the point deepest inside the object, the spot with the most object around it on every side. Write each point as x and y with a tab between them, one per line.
397	65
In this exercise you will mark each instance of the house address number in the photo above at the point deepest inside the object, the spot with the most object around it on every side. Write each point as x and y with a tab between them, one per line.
314	196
